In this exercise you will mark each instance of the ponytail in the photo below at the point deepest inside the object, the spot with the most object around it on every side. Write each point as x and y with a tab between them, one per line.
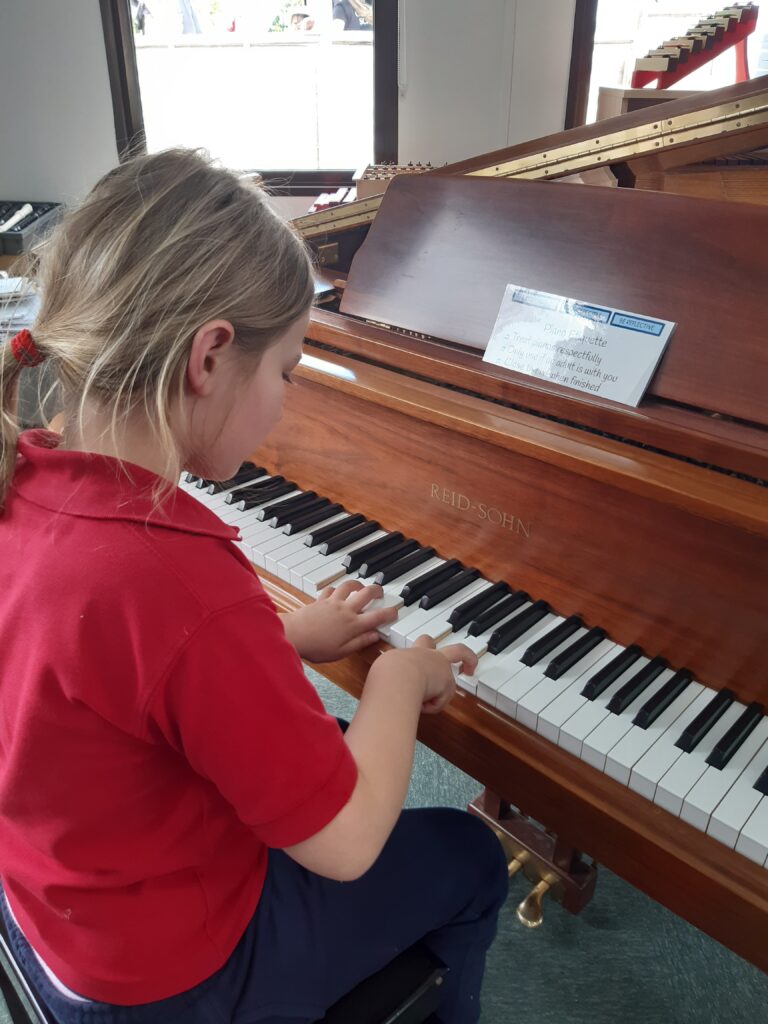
10	371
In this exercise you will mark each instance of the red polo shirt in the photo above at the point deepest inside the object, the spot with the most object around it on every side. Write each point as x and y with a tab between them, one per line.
157	732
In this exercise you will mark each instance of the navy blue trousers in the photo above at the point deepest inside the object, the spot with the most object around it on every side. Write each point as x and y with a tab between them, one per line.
441	877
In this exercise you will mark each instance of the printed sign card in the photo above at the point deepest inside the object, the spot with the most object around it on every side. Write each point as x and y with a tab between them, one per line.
602	351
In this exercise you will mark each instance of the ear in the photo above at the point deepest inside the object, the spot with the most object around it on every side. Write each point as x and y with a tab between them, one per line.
211	346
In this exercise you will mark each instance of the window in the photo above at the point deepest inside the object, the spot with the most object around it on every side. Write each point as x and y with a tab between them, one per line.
262	84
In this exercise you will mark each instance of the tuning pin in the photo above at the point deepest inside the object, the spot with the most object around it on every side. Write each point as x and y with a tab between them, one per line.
529	912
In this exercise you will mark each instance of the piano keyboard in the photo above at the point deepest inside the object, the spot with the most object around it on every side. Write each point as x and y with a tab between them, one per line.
696	752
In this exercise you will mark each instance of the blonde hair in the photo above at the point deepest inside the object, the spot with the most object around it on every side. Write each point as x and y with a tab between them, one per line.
162	244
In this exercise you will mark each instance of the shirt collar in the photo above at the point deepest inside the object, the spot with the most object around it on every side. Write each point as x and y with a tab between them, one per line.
100	487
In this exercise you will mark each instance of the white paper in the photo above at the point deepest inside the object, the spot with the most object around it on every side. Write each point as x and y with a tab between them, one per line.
579	344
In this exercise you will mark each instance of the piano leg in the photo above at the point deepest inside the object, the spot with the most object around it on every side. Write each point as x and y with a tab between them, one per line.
552	865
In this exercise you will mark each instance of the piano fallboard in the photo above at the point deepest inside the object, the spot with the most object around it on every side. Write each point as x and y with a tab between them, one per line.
677	430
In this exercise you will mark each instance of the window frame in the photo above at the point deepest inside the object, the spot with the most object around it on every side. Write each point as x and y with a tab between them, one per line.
580	74
117	25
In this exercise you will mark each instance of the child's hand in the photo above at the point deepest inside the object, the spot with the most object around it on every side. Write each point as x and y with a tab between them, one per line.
337	623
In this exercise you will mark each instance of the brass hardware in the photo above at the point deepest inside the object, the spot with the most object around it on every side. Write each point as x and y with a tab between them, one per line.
517	862
631	143
529	912
328	253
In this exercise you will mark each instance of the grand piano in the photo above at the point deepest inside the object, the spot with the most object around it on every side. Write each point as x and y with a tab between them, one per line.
608	563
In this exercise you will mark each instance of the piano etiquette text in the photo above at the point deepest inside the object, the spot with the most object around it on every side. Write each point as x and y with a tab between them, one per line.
598	349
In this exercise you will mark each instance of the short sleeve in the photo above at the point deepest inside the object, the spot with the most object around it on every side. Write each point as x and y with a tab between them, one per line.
238	706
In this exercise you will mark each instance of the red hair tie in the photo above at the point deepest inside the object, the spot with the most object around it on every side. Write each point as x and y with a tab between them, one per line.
24	349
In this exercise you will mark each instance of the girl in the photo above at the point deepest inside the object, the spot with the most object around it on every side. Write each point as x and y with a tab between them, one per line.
185	835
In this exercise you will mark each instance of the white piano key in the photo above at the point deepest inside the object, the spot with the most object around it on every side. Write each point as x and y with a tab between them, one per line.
733	811
591	713
418	617
555	715
322	570
392	598
273	549
479	645
515	689
531	704
497	670
485	636
397	585
715	783
433	622
255	535
647	772
683	775
614	727
246	522
637	741
753	841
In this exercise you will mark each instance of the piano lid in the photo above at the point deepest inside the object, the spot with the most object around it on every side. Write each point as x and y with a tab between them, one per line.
443	248
701	127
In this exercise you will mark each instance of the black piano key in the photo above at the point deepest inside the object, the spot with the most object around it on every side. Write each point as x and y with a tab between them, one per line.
333	530
469	611
355	559
219	486
318	514
254	489
451	586
348	537
603	678
416	589
506	635
661	700
632	689
497	612
762	783
374	565
285	505
190	478
542	647
704	721
246	472
262	497
575	652
400	568
727	746
290	515
201	483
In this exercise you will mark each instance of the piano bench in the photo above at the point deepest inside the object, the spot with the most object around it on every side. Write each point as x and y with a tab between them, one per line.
21	1000
406	991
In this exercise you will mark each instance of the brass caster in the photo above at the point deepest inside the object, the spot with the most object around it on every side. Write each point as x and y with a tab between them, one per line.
529	912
